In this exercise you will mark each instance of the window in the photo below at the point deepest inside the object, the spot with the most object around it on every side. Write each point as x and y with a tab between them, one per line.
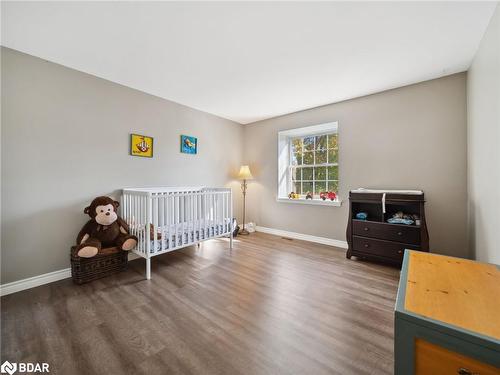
308	162
314	164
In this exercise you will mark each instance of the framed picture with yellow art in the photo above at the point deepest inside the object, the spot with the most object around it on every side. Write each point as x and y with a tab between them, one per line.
141	145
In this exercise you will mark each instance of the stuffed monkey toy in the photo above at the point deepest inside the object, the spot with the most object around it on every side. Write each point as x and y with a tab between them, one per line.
104	229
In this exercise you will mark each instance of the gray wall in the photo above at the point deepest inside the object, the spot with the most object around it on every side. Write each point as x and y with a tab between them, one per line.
483	94
65	139
408	138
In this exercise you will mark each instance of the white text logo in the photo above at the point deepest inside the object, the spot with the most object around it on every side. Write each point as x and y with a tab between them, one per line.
11	368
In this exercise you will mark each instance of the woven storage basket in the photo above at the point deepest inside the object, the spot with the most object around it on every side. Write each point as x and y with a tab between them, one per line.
107	262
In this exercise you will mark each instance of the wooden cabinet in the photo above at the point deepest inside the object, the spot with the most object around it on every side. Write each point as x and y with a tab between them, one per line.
377	239
384	231
447	317
434	359
387	249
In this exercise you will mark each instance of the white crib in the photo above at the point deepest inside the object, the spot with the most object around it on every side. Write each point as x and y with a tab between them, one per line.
166	219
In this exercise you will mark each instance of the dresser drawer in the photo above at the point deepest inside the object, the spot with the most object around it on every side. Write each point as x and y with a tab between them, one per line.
388	249
434	359
391	232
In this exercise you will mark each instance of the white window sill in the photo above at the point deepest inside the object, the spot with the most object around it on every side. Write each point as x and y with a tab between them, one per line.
313	202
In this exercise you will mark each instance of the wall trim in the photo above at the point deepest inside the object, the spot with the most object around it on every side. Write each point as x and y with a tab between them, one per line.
32	282
304	237
46	278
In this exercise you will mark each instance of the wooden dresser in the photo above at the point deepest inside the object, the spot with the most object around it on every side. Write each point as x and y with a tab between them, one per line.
447	317
375	238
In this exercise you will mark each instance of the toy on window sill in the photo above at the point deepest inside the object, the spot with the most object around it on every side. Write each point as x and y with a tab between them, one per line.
328	195
309	195
293	195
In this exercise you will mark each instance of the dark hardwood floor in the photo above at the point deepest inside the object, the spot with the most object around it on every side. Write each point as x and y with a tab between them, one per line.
271	306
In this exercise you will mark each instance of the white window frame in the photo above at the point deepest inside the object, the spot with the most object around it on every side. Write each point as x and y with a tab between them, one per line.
285	156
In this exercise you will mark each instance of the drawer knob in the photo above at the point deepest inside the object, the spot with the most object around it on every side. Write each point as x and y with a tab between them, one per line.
464	371
367	245
400	233
400	251
367	229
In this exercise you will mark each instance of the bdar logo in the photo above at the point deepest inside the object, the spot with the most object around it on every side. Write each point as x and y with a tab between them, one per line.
11	368
8	367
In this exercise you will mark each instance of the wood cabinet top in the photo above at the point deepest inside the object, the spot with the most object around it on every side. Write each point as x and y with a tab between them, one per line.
455	291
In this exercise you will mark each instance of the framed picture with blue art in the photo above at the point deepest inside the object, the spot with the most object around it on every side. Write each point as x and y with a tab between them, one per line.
189	145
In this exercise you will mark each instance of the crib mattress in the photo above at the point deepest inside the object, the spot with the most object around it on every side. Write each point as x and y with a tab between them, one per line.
175	236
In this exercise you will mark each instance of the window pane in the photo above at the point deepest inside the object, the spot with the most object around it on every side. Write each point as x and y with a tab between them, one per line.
319	187
309	157
309	144
296	173
297	145
321	157
333	173
332	141
321	142
296	187
297	159
307	173
307	187
320	173
333	186
333	156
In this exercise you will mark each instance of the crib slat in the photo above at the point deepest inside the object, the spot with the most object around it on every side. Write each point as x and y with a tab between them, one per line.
154	202
227	212
138	204
183	222
170	220
177	220
135	219
191	220
165	222
198	199
214	218
224	216
141	221
148	222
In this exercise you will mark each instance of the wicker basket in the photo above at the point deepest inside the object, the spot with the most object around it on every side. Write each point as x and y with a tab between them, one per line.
107	262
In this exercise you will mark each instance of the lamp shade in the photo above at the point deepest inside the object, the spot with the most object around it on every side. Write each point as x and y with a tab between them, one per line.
245	173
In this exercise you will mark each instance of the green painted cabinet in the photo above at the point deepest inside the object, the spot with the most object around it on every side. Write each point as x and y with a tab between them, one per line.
447	316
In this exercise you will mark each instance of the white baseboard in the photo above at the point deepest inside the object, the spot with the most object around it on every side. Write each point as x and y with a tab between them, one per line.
46	278
304	237
32	282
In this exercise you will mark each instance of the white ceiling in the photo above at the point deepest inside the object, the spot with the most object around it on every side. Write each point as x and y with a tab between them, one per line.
251	61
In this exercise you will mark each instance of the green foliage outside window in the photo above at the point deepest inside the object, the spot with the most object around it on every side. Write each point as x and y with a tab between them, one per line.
315	164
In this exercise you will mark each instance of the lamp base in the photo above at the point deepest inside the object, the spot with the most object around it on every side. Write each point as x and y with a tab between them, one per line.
244	232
